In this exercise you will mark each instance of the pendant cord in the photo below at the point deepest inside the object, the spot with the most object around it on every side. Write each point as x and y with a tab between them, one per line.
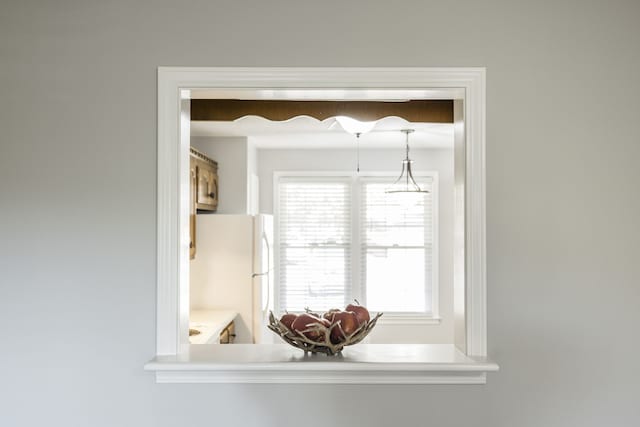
358	152
407	159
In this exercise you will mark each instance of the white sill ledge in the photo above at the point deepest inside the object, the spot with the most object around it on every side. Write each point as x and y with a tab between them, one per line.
360	364
408	320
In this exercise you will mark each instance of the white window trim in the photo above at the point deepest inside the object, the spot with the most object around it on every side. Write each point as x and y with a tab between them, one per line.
176	361
395	318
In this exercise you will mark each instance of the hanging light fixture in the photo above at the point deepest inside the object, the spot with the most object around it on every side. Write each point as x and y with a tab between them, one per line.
354	126
405	182
357	128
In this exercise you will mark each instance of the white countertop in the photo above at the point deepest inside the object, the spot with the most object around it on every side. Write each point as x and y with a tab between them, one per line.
359	364
210	323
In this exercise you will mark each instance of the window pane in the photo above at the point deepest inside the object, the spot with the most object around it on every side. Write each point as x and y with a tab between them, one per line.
314	213
396	280
396	242
395	219
394	236
315	278
314	222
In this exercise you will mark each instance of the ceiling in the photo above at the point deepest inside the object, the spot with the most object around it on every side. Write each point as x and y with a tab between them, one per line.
309	133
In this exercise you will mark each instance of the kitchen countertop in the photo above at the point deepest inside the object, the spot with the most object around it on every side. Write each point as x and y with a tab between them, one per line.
210	323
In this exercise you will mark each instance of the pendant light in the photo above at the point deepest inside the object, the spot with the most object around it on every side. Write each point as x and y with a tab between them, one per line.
405	182
354	126
357	128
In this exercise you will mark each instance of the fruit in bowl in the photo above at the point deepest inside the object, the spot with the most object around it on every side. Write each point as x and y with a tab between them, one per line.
328	333
311	326
345	323
287	319
361	312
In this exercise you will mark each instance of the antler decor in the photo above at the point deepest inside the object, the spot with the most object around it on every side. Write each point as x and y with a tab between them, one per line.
324	344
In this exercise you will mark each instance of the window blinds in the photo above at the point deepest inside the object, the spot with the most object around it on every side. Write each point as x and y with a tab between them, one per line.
314	232
396	234
341	238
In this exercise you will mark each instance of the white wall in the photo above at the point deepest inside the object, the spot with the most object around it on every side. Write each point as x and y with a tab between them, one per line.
78	185
231	153
382	160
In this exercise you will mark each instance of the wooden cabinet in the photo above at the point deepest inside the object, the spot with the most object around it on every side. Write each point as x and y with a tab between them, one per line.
203	175
206	181
228	334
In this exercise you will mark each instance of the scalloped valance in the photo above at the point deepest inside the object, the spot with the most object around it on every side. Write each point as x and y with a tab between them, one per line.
415	111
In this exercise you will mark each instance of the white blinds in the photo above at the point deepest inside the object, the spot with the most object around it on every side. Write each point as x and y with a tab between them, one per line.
314	237
397	235
341	238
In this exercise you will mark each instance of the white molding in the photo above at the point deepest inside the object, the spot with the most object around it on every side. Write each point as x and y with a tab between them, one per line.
285	376
362	364
435	250
167	261
475	216
172	223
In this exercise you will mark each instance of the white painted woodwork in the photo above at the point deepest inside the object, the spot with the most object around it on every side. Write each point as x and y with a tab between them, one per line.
360	364
459	185
177	83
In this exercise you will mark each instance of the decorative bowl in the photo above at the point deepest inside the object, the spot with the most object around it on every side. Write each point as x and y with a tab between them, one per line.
324	344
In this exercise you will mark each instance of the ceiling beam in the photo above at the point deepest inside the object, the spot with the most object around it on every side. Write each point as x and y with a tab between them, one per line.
418	111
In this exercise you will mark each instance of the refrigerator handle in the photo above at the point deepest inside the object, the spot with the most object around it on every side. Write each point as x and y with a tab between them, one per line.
266	243
266	273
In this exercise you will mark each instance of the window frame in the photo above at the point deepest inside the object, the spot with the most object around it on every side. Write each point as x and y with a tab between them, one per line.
357	291
464	362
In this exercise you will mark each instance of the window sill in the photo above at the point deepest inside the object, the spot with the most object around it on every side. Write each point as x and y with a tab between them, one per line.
361	364
408	319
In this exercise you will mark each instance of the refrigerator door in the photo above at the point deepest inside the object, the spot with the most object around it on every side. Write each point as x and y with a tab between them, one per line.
221	271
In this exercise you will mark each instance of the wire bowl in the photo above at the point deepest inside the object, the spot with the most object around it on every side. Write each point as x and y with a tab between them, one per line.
324	344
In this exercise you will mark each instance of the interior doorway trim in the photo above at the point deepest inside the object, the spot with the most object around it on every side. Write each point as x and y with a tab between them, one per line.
466	85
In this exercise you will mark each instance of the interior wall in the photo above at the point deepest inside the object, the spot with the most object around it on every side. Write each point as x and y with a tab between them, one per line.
382	160
78	184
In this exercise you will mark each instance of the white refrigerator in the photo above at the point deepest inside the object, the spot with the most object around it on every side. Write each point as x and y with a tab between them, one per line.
233	270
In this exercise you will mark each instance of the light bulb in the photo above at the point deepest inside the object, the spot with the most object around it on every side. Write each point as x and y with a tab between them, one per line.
354	126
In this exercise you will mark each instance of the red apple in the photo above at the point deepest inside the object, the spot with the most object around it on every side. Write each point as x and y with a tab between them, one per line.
361	312
329	314
308	311
348	324
306	321
287	319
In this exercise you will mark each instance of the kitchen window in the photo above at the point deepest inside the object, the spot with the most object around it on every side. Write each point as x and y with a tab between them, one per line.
341	237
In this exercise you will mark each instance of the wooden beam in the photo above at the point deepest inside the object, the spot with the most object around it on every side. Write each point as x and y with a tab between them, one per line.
419	111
